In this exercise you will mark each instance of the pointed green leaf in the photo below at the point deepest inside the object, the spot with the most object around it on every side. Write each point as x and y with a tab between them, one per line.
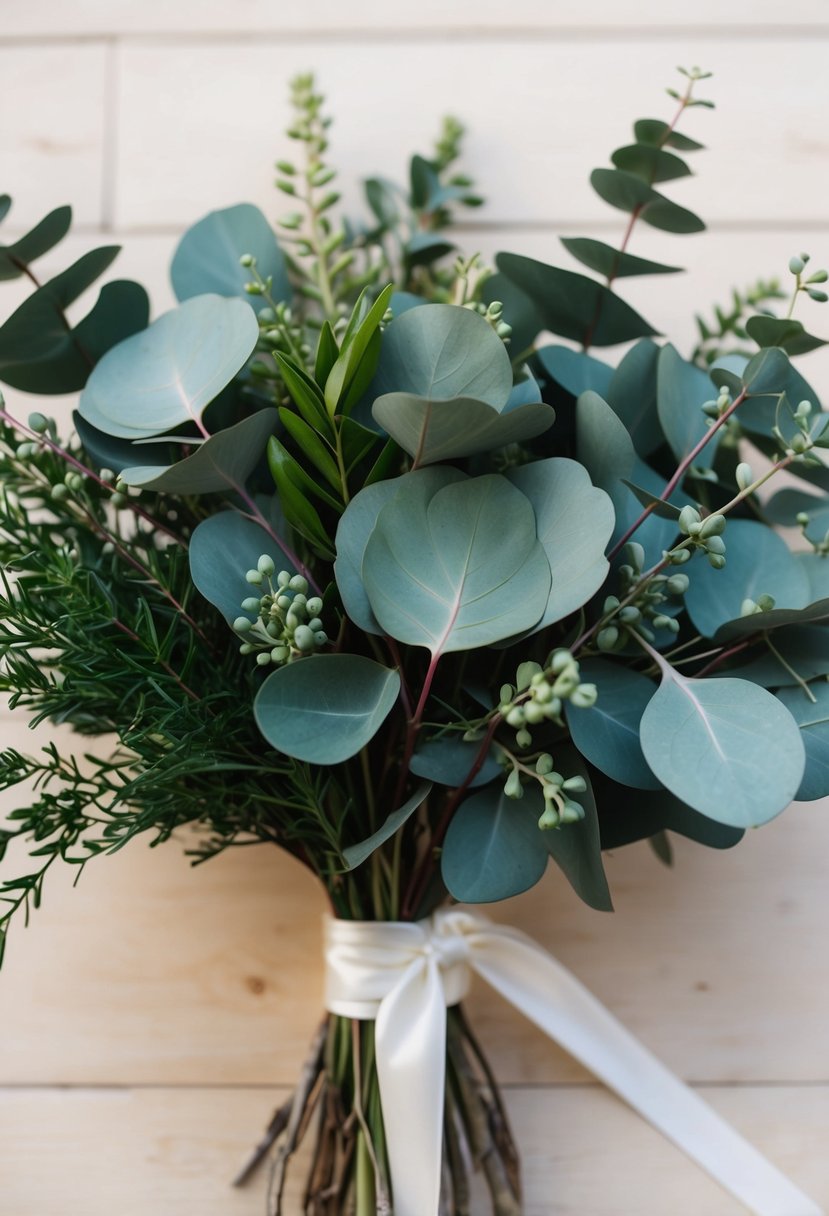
207	256
786	333
305	393
356	347
757	562
494	848
293	485
610	262
655	132
355	854
223	461
326	708
327	353
726	747
441	352
457	570
608	734
574	520
573	305
436	430
665	510
314	448
43	237
167	375
629	193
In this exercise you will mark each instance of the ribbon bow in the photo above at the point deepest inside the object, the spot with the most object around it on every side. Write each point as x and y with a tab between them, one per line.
404	975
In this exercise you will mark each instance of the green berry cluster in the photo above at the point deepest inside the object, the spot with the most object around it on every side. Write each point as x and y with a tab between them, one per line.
493	314
287	624
797	266
704	534
540	692
645	612
559	807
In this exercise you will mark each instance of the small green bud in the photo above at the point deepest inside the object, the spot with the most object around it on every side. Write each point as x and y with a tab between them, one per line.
304	637
254	577
571	812
716	560
560	659
243	624
251	604
629	615
678	584
635	555
534	713
246	648
796	265
523	737
765	603
803	410
678	557
273	630
74	481
715	544
687	517
506	694
585	696
253	289
314	606
246	260
118	500
263	658
611	604
575	785
38	423
608	637
315	624
265	565
819	276
820	297
107	476
512	786
24	450
283	579
280	654
714	525
566	682
744	476
60	492
548	818
320	638
802	518
542	692
298	583
749	608
544	764
515	717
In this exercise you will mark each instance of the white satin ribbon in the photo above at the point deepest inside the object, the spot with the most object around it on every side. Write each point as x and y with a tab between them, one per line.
403	975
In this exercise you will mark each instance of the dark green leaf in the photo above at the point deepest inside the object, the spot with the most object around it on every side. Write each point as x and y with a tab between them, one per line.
494	848
356	347
626	815
788	334
812	716
293	484
43	237
426	247
652	165
447	760
356	854
610	262
629	193
572	305
305	393
794	654
326	708
631	395
207	256
107	452
309	442
574	371
327	354
655	132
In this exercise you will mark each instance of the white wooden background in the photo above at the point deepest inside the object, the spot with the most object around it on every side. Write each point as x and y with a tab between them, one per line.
152	1017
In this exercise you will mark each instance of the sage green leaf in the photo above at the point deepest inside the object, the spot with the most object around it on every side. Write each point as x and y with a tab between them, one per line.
207	256
167	375
631	395
626	815
767	377
784	332
442	351
122	309
608	734
107	452
326	708
652	165
222	549
574	371
816	566
812	716
574	521
457	570
784	507
36	331
660	506
447	759
355	854
726	747
793	655
777	618
610	262
758	562
656	132
573	305
354	529
436	430
44	236
357	349
494	847
223	461
682	389
576	847
630	193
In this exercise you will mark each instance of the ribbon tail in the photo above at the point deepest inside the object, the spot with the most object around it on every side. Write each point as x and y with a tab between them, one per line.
546	993
410	1044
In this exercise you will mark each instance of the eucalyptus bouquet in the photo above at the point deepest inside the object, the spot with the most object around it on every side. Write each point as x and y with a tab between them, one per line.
352	557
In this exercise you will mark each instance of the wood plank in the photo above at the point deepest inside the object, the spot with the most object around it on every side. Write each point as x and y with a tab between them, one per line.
532	142
52	100
92	1152
48	19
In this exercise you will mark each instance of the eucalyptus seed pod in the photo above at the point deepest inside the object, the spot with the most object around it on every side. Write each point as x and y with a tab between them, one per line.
512	786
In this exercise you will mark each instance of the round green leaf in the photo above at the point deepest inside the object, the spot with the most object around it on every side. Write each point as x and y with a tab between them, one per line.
608	734
574	521
222	549
207	256
610	262
325	708
456	570
757	562
441	351
432	431
726	747
494	848
575	371
447	760
167	375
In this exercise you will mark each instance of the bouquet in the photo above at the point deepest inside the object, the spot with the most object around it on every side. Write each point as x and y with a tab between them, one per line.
362	552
